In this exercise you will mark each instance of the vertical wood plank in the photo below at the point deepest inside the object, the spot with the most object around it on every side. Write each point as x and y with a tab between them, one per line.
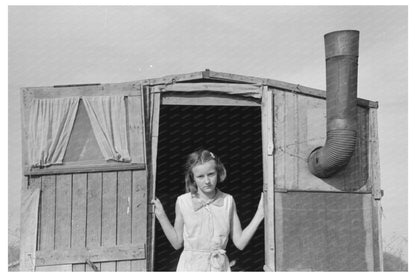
374	160
302	122
26	96
124	218
267	116
63	211
278	231
136	129
154	137
279	139
94	195
109	217
139	216
35	183
363	148
47	233
79	215
374	178
29	214
290	148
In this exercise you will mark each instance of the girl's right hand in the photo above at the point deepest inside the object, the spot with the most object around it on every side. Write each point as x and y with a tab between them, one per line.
260	208
159	211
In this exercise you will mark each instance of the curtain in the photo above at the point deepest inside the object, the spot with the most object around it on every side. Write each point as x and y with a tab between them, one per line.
108	119
50	125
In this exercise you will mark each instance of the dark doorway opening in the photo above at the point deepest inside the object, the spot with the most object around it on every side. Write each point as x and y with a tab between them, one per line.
234	134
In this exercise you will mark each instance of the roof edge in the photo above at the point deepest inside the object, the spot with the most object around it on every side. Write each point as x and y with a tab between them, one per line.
221	76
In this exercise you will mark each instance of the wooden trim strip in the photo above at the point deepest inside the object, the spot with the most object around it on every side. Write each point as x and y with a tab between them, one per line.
154	141
211	75
81	255
268	177
207	100
79	168
294	88
237	89
125	89
320	191
367	103
377	192
174	78
373	150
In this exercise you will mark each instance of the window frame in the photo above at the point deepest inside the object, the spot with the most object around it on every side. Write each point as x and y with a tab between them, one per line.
128	90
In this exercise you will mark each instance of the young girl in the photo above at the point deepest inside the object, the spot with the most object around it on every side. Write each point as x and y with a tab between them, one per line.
205	217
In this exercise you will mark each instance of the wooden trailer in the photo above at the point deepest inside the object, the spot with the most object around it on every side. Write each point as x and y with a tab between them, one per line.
85	213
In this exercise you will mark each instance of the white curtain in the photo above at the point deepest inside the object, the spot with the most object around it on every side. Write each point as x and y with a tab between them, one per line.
108	119
50	126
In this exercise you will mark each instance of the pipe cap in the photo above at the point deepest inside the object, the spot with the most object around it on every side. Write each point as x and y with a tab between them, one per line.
340	43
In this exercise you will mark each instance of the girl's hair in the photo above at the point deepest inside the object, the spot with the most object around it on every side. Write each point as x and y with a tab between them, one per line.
199	157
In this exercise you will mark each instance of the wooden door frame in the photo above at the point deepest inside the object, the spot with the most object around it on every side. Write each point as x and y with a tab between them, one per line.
267	118
222	99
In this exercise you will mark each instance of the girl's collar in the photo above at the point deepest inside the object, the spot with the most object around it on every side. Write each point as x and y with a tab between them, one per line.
198	203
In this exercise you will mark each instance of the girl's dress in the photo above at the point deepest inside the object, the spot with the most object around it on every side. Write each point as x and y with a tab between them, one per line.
206	231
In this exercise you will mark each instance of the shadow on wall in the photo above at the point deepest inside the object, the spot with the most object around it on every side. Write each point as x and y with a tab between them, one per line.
14	252
393	263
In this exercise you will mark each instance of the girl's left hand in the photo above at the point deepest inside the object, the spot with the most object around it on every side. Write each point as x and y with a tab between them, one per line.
159	211
260	208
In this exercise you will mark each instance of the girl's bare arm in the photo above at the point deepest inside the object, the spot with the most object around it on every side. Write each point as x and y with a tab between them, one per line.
173	233
242	237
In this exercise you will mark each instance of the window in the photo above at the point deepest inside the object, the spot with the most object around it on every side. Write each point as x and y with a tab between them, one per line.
82	145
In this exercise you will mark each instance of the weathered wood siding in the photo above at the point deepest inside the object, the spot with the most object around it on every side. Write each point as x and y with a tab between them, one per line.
330	224
92	215
300	127
93	211
97	218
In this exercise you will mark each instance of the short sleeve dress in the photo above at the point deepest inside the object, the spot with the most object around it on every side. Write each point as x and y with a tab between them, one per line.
205	233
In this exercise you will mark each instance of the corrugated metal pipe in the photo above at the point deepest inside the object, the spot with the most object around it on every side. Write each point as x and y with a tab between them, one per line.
341	53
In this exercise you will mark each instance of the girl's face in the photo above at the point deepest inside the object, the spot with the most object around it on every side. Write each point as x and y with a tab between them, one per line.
205	176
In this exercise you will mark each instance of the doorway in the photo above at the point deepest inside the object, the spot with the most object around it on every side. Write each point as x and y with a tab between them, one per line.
234	134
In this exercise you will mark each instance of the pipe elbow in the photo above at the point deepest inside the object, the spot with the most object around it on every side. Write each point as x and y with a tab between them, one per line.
341	53
325	161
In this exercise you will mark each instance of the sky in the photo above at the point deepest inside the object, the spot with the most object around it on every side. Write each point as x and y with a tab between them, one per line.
107	44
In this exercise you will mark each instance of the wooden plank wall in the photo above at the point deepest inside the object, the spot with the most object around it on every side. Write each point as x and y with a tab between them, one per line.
300	127
323	224
94	210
